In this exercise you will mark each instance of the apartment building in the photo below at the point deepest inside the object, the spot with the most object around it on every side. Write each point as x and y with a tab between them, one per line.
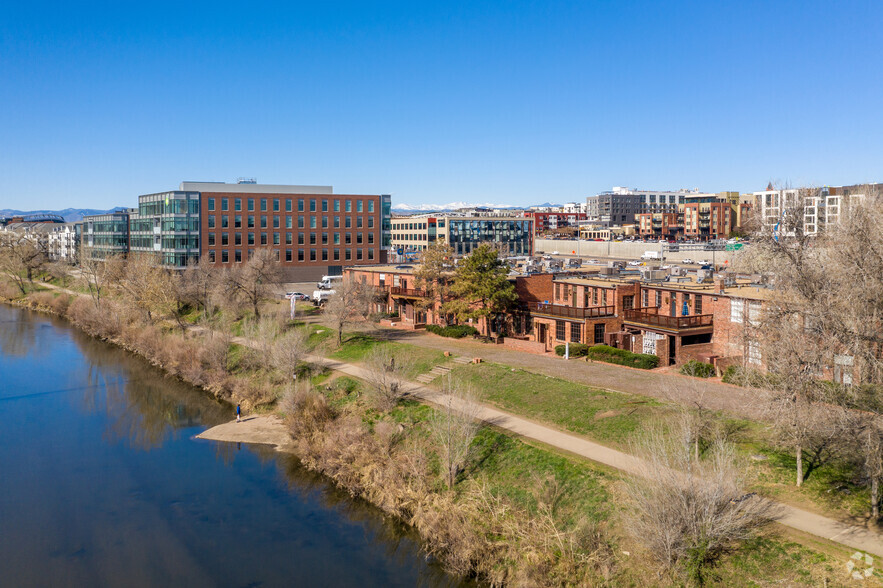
513	235
701	216
64	242
812	208
551	221
621	205
311	230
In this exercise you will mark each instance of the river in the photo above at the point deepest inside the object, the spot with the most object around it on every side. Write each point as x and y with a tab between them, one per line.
102	483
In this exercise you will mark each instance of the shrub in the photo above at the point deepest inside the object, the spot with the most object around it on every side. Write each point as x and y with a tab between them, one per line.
697	369
453	331
576	350
622	357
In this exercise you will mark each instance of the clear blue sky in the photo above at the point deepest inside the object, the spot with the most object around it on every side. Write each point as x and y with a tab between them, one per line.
511	102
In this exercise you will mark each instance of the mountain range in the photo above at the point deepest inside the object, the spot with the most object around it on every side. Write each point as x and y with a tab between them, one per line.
70	215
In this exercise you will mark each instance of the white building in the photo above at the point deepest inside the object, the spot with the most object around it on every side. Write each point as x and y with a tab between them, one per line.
818	206
64	242
620	205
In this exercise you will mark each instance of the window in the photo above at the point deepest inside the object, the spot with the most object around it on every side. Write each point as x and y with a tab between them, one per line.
288	208
263	221
312	255
575	332
313	222
370	222
599	332
560	330
275	205
359	253
358	222
737	307
211	221
224	204
658	298
300	238
225	221
324	238
370	206
211	239
288	240
557	291
288	224
263	205
336	222
347	222
370	254
754	309
263	238
312	238
237	256
250	224
300	222
300	254
237	204
275	238
225	256
348	206
358	206
628	302
348	254
754	356
211	204
644	297
324	255
324	222
324	206
288	253
251	238
275	222
251	204
595	296
225	239
337	238
237	238
211	256
698	304
313	205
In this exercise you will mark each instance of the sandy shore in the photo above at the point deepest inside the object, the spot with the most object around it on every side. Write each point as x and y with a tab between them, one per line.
264	429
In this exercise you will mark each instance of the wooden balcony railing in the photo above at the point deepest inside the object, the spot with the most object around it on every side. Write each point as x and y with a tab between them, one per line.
570	311
649	317
399	291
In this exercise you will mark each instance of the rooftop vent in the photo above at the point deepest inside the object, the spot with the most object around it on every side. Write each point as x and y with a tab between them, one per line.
246	180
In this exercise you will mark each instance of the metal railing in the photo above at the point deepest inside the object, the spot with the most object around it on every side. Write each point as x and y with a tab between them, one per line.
648	317
570	311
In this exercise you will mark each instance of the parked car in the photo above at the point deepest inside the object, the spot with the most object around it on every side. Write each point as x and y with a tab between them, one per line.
634	262
687	261
297	296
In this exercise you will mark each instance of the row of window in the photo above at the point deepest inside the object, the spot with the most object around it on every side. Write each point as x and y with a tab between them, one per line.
314	238
576	332
409	236
277	204
301	255
264	221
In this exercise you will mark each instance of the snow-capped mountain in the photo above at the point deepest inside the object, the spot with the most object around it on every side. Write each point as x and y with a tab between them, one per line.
448	206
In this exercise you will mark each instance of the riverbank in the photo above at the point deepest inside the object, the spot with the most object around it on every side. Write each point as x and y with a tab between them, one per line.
498	508
261	429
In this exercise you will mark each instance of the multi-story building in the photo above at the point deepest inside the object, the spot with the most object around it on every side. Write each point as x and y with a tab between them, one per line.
621	205
105	235
311	230
554	220
513	235
64	242
701	216
817	206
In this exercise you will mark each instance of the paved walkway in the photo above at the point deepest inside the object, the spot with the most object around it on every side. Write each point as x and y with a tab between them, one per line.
663	385
271	430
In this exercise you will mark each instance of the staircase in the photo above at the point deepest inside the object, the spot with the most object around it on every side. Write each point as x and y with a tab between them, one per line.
432	374
462	360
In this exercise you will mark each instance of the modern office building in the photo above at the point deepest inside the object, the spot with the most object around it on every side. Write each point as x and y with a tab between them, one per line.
513	235
105	235
311	230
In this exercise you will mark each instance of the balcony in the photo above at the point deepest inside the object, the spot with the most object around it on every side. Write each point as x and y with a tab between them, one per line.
649	318
561	311
407	292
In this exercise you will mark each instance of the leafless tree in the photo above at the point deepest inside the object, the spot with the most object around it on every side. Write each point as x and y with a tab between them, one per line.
21	256
695	417
386	376
686	512
255	279
454	424
60	270
200	282
350	303
97	275
289	351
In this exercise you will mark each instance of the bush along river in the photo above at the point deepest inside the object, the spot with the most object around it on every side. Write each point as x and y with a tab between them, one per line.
102	483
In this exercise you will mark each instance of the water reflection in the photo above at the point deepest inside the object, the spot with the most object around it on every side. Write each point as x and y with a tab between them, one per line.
104	484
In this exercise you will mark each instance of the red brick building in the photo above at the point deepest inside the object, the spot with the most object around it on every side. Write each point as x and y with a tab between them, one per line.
312	231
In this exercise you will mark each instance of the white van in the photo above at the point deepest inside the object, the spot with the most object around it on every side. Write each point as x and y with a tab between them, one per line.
328	282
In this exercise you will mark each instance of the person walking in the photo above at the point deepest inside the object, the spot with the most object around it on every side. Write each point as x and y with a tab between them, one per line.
238	413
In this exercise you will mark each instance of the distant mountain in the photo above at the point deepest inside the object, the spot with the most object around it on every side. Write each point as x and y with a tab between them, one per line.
70	215
446	207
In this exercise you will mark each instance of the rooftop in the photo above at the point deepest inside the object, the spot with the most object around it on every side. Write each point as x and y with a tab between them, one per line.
221	187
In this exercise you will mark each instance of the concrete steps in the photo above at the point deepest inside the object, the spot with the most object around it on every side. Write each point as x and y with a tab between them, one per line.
462	360
434	373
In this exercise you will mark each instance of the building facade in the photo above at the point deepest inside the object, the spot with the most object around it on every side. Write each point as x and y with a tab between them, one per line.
64	242
512	235
621	205
311	230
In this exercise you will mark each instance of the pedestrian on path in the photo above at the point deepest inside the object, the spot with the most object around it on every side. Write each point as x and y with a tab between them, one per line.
238	413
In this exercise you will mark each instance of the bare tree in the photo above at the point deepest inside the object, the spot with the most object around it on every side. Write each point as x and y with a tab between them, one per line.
147	285
454	424
289	351
21	256
200	282
386	376
686	512
255	280
350	303
97	275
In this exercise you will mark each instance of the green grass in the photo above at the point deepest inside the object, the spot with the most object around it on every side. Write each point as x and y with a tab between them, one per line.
357	347
609	417
526	474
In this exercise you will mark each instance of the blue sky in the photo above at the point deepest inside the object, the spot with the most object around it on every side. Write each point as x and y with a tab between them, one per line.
509	102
